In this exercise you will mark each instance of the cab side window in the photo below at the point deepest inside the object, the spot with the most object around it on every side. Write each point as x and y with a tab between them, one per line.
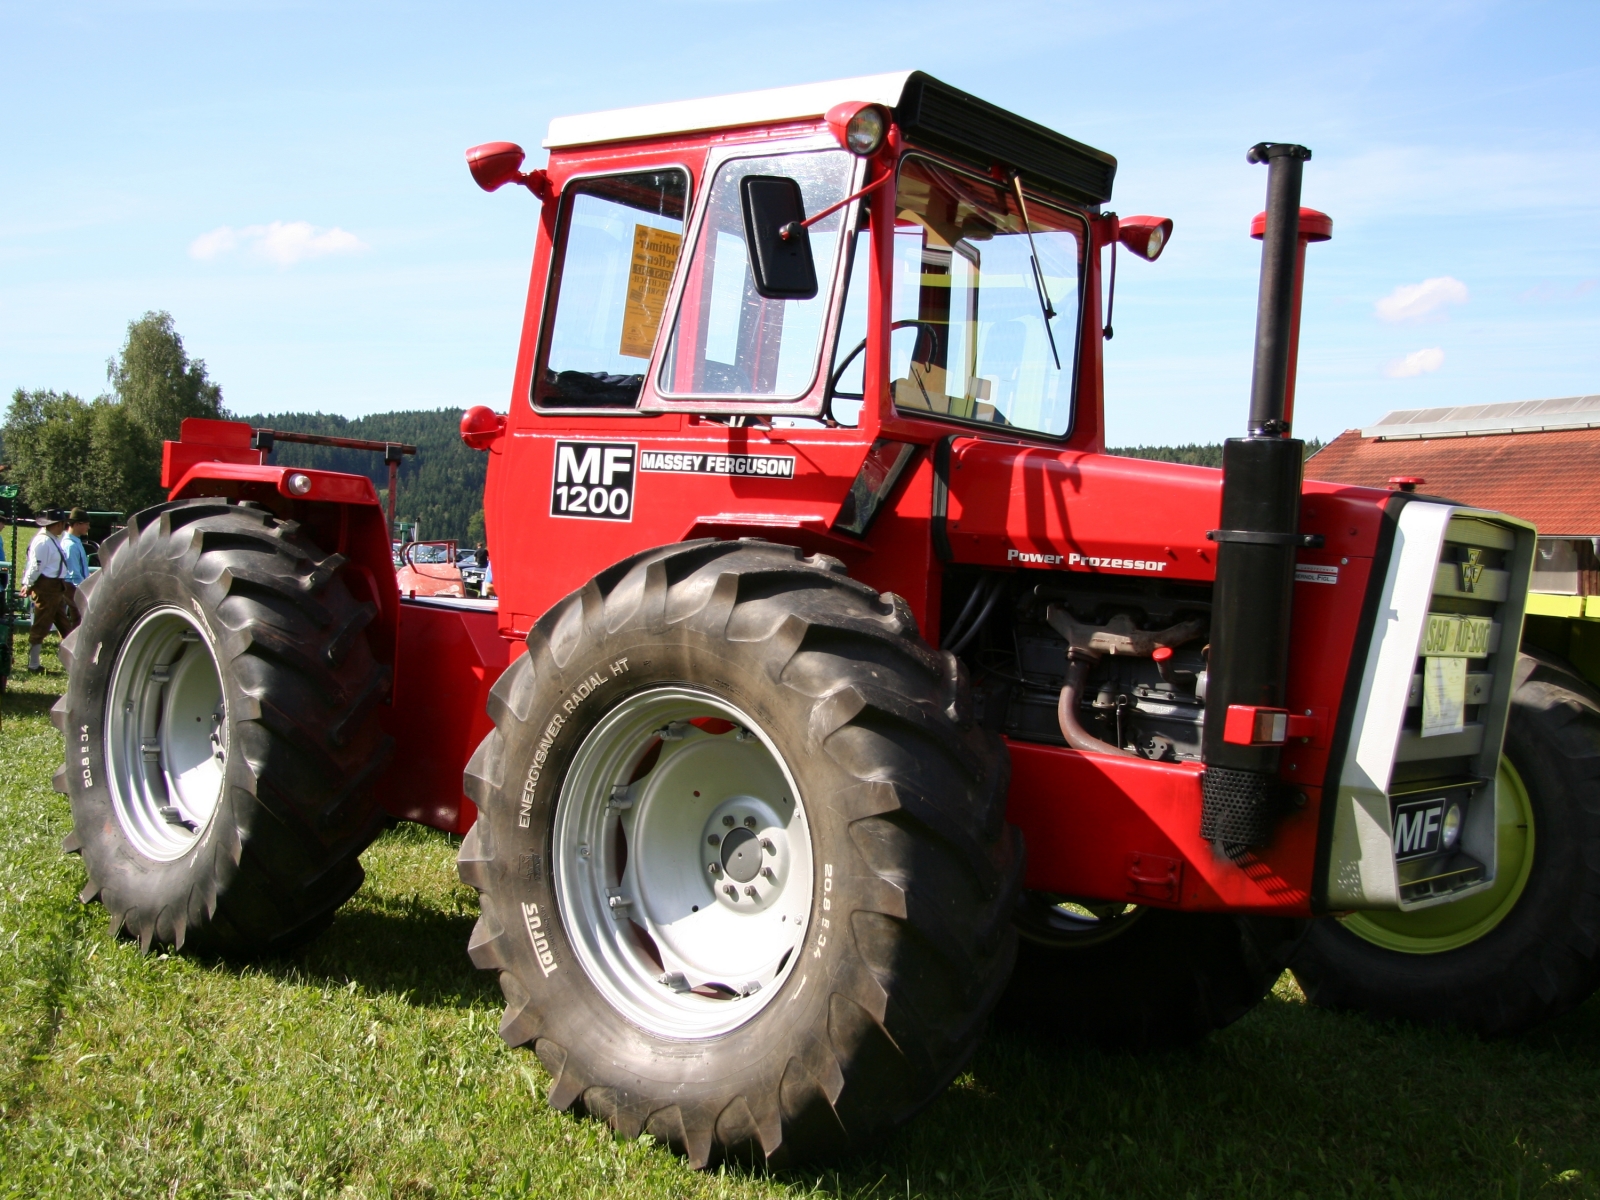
728	340
616	246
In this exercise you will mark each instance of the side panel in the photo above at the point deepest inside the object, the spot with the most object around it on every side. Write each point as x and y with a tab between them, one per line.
1108	828
451	655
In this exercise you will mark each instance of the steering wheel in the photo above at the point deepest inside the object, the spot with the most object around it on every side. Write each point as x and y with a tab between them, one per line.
838	372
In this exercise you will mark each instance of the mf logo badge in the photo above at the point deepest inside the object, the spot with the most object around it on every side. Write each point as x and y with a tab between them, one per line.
594	480
1471	570
1417	826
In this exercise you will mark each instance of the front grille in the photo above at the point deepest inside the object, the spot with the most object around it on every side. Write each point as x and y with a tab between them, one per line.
1428	726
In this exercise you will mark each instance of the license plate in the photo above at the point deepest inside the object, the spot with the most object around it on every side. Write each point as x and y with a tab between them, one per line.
1417	828
1449	635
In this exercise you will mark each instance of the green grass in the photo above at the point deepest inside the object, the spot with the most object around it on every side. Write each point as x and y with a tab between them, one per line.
368	1065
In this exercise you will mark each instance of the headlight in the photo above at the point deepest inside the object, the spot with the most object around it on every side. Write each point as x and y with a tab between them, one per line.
864	134
860	127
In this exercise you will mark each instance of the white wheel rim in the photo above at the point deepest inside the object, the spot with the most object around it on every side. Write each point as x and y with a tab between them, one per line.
166	735
643	866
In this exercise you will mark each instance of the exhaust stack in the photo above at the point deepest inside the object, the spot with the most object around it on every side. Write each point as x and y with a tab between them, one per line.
1261	476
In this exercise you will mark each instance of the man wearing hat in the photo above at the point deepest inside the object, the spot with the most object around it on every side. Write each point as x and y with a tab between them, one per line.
45	579
77	559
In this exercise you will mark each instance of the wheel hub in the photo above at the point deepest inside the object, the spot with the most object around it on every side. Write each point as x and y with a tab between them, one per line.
682	859
165	735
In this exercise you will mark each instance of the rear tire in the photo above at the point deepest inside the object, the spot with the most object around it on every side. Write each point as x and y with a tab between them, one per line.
1527	950
894	872
221	726
1124	977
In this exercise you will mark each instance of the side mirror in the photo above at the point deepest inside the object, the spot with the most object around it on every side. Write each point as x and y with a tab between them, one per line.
780	247
495	164
1145	236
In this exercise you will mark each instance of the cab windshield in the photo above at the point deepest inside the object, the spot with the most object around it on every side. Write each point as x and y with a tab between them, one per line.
972	339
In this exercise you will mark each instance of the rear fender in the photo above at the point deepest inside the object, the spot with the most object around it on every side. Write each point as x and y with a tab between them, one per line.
339	512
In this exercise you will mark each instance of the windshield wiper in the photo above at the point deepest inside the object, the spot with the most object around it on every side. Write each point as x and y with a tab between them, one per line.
1045	306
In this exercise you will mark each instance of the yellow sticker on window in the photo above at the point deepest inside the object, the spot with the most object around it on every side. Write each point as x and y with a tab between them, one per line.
655	253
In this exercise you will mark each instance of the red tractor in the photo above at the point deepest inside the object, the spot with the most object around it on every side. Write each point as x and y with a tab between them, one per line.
840	686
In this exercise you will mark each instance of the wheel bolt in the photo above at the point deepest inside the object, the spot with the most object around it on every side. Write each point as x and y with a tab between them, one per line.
728	821
715	869
733	892
766	844
751	892
749	822
769	874
713	840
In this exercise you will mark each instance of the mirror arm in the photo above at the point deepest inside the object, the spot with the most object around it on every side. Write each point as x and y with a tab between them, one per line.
794	227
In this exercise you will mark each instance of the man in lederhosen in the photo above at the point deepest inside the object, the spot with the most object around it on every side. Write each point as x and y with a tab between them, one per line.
45	579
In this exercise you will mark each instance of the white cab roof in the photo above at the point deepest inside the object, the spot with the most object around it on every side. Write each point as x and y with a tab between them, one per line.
724	112
1516	416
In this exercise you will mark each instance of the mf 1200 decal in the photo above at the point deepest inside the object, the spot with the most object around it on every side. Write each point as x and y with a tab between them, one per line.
765	466
594	480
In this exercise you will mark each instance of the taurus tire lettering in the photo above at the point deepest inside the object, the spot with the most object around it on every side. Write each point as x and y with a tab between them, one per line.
536	934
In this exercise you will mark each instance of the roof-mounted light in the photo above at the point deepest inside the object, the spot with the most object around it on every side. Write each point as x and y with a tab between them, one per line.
861	127
1145	236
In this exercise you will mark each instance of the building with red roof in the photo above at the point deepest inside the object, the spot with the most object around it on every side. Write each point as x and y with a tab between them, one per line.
1535	459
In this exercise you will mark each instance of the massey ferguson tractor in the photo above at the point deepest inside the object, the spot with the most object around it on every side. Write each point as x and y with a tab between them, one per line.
840	686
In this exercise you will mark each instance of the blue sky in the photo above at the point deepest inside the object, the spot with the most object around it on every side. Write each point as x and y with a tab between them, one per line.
287	179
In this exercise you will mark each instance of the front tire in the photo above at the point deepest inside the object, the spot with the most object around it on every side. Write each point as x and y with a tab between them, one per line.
221	730
730	715
1528	949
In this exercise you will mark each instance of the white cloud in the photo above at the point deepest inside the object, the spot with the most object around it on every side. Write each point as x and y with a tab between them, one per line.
1419	362
1411	301
282	242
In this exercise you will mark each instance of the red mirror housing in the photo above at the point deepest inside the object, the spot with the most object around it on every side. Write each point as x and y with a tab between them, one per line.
495	164
480	425
1145	236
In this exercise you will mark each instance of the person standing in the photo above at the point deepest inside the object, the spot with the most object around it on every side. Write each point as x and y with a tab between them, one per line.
45	579
77	559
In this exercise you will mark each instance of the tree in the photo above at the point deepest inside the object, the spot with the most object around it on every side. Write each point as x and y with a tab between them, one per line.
105	453
158	383
66	451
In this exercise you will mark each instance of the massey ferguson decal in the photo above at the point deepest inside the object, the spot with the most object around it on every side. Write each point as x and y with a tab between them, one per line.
1085	560
765	466
594	480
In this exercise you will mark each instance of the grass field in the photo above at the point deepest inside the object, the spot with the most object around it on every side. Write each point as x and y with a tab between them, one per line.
368	1065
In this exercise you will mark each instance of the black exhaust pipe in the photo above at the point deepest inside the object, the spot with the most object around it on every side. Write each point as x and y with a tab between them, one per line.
1251	602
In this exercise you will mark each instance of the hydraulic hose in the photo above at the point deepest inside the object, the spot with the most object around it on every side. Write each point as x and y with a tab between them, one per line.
960	644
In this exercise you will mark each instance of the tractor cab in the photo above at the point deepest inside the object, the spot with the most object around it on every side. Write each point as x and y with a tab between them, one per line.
749	315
